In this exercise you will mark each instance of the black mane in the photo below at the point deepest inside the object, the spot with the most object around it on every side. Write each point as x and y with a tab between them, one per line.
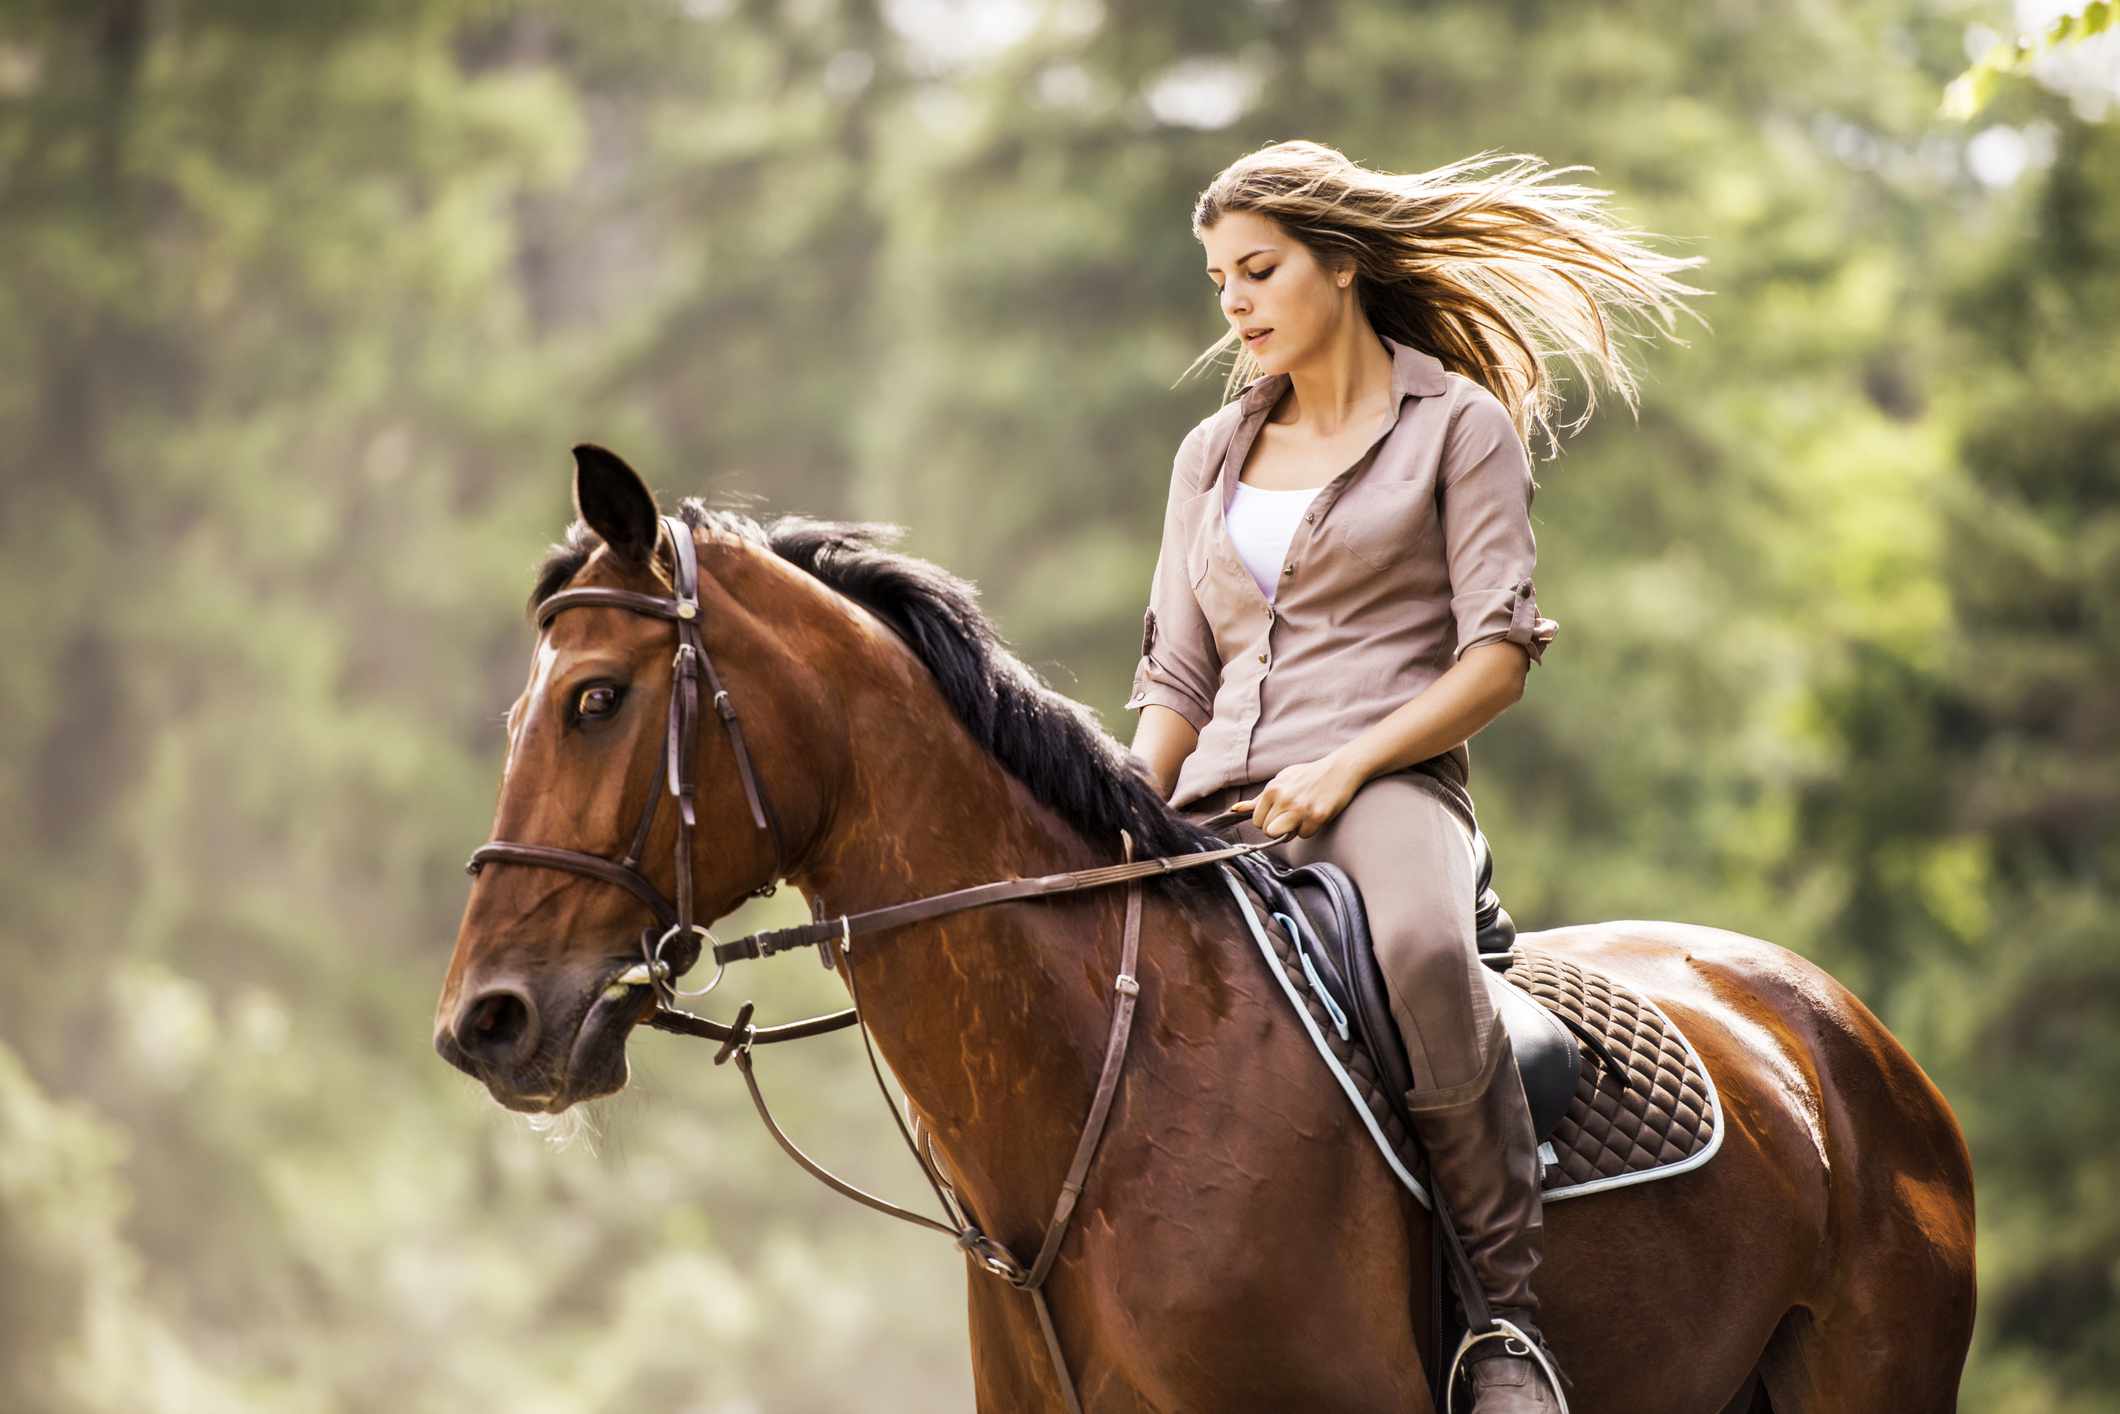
1052	744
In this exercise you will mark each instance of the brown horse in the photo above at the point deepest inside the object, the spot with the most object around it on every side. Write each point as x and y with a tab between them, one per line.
1239	1244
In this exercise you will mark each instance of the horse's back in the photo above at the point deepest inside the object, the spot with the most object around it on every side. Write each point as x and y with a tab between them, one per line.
1698	967
1758	1004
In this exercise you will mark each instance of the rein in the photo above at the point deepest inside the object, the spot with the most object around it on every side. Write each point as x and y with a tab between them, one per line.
838	933
675	920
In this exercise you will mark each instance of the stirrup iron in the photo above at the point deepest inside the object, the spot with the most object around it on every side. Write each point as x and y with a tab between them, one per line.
1512	1335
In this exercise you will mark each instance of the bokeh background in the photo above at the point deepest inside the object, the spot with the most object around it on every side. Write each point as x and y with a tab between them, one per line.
302	305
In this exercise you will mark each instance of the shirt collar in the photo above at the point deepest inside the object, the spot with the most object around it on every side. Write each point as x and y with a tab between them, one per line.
1413	374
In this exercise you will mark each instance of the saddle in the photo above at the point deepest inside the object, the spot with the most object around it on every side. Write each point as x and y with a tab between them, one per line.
1323	912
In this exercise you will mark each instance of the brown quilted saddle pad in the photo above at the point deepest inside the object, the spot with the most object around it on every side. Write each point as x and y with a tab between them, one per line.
1658	1115
1652	1114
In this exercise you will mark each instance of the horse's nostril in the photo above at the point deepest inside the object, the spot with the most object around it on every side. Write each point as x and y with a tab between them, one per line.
498	1026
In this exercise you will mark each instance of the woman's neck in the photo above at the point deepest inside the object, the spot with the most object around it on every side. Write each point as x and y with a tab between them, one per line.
1346	380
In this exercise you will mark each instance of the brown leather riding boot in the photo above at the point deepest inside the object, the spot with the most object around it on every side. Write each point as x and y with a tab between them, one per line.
1483	1157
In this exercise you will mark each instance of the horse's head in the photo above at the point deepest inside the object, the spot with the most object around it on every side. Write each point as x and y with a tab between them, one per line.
552	968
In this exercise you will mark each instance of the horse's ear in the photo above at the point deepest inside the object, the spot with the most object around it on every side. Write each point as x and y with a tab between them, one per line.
615	502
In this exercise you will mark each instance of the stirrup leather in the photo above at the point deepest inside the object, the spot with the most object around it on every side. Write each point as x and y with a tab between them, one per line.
1504	1330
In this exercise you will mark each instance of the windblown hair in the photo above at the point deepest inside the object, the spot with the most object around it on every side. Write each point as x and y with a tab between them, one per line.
1487	270
1051	743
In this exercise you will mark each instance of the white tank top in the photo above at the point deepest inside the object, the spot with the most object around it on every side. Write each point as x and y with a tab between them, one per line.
1261	523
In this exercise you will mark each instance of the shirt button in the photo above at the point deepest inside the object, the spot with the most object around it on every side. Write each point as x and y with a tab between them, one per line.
1262	657
1287	570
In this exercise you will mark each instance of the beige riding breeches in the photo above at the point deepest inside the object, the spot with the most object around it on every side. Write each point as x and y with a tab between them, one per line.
1409	849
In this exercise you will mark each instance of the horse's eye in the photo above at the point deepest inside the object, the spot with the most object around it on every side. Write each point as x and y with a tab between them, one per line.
596	702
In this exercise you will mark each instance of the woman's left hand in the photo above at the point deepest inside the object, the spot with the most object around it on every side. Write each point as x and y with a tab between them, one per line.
1303	799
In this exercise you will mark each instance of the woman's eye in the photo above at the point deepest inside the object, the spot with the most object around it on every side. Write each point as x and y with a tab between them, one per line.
1262	274
596	702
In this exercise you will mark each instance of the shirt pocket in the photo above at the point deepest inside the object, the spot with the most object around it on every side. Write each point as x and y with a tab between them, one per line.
1383	526
1231	604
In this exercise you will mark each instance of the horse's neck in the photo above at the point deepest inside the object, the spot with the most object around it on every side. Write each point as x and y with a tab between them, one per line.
994	1020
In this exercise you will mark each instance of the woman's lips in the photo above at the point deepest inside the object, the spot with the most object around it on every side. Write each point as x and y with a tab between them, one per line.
1252	341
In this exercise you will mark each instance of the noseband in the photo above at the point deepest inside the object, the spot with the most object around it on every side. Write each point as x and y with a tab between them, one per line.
674	919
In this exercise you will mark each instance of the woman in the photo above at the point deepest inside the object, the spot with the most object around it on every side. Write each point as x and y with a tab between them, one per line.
1344	593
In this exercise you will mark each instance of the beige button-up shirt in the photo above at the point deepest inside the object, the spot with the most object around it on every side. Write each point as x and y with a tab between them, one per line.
1418	551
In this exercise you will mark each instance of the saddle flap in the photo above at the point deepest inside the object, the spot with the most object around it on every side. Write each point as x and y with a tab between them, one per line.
1333	935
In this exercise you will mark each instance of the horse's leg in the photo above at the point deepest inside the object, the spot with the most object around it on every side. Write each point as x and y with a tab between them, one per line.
1809	1369
1867	1355
1893	1320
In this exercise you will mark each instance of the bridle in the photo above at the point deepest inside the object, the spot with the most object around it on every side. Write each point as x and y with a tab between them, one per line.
676	920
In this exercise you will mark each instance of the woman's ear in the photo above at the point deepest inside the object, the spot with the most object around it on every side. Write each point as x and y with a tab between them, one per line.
614	502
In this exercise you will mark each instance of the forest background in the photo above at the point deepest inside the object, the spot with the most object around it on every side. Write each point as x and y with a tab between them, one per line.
301	307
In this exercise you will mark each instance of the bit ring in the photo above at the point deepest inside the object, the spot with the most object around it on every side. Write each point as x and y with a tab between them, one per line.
708	942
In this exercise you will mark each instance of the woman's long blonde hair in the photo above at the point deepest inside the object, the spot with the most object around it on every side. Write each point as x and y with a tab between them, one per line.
1486	270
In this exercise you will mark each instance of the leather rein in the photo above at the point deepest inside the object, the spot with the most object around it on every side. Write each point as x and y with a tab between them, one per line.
676	921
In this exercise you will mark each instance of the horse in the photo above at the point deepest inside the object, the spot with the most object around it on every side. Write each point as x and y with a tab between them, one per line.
1238	1244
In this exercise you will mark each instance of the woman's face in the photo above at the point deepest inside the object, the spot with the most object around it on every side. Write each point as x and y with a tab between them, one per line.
1274	293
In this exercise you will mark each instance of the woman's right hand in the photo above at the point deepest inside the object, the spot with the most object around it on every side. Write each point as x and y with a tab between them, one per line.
1303	799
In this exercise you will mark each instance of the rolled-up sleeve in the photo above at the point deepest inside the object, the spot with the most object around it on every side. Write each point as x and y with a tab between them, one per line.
1485	501
1179	667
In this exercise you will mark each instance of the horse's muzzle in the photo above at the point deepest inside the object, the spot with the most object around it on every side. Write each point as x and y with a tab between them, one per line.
538	1057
